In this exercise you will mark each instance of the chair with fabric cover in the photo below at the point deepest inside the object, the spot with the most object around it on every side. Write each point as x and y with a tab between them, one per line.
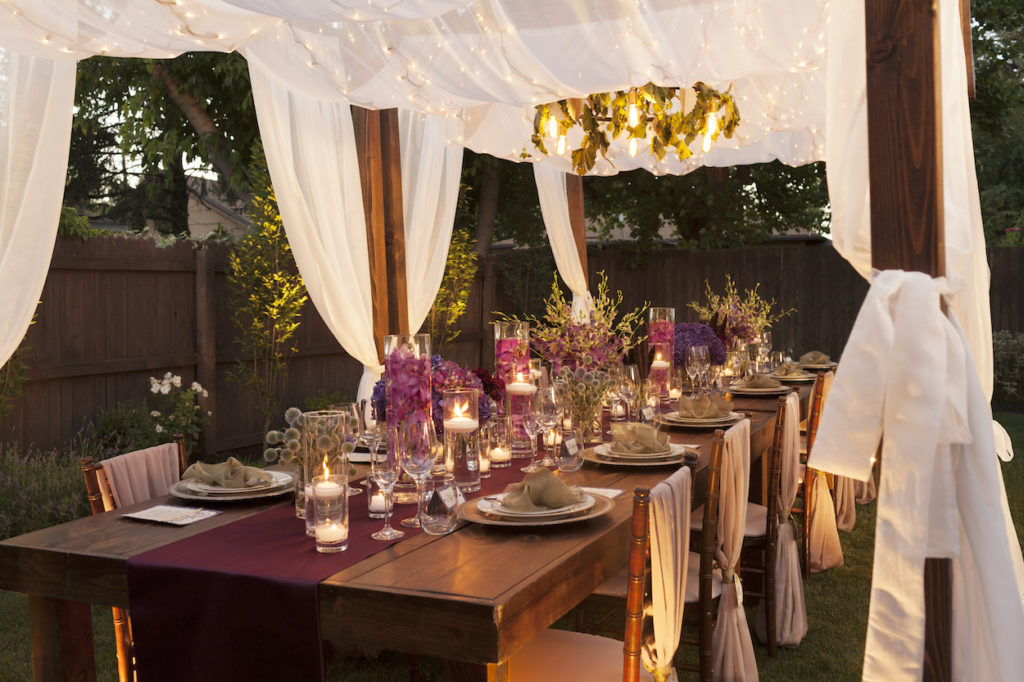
121	481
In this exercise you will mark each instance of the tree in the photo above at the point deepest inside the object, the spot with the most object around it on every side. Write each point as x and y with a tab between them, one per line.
450	302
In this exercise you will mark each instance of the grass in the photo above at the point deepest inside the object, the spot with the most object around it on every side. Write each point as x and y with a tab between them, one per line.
837	610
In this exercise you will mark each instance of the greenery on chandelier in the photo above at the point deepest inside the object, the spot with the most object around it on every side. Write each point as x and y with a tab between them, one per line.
654	113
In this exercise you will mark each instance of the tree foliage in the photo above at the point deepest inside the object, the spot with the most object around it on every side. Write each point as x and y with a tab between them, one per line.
266	296
450	303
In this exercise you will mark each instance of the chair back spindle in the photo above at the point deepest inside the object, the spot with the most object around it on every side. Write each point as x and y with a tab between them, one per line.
639	548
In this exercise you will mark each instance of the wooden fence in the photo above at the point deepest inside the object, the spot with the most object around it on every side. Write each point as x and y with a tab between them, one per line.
116	311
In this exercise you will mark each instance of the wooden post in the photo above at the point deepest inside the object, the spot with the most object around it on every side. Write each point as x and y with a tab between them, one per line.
965	28
577	218
394	222
905	161
62	647
206	345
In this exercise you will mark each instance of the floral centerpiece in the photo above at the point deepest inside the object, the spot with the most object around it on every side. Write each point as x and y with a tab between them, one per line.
446	374
583	351
733	316
690	334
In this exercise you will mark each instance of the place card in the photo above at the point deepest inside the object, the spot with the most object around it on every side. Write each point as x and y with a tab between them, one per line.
610	493
176	516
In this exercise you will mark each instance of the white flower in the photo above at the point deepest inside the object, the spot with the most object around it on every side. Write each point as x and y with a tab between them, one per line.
167	376
209	413
176	380
155	388
206	394
159	429
165	389
154	413
196	386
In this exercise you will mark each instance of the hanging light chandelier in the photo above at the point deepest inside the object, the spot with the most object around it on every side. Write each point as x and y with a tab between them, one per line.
662	118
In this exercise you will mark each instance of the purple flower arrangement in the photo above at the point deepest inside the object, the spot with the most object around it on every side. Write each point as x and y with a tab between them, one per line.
698	334
733	316
408	387
445	374
660	332
511	355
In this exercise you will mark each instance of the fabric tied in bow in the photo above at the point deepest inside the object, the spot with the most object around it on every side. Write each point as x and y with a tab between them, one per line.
638	439
815	357
759	381
704	407
540	490
790	369
229	474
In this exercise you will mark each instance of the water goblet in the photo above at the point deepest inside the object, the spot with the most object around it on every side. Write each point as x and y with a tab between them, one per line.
418	450
548	408
531	426
384	470
694	363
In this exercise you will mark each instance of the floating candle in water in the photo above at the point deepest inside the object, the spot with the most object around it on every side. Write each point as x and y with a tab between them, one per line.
331	532
660	364
326	489
618	410
500	454
377	503
521	388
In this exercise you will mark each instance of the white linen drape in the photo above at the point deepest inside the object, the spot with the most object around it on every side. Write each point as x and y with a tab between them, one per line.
36	98
554	206
670	553
847	169
908	372
824	548
311	154
731	648
430	193
350	10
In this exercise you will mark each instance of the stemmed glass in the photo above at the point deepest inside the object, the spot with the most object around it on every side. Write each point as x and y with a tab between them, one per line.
629	378
531	425
418	450
351	434
547	405
703	365
697	362
385	470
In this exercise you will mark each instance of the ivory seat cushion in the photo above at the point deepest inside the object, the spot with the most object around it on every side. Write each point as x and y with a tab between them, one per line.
757	518
563	656
616	585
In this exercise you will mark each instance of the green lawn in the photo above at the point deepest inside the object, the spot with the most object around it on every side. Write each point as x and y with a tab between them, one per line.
837	603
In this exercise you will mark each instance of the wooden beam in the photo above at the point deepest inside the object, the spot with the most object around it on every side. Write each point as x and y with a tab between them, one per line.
965	28
62	646
577	217
366	125
905	162
394	222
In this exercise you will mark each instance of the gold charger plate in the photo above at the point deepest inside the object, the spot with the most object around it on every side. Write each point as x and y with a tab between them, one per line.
673	419
609	460
180	490
777	390
469	512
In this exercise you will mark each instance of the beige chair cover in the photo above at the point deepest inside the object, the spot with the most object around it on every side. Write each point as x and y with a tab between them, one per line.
865	491
732	651
142	475
670	551
790	606
846	503
823	546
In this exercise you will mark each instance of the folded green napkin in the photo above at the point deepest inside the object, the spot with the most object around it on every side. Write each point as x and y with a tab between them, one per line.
815	357
229	474
539	490
704	407
759	381
638	439
790	369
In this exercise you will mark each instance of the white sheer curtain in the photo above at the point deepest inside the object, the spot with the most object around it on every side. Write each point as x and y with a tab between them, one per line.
351	10
430	193
847	168
311	153
36	98
908	372
554	206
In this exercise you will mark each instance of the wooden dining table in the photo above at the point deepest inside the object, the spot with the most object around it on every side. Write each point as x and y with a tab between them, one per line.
473	597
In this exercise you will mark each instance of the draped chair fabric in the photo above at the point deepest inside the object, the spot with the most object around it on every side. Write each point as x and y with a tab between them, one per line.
865	491
731	648
846	503
908	372
824	548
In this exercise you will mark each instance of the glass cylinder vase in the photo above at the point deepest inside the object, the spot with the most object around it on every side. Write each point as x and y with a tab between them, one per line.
661	339
461	437
323	433
519	391
407	378
660	373
511	347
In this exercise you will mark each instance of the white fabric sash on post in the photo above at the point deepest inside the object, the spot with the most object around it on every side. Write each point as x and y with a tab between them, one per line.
908	373
732	651
36	98
554	206
670	552
311	154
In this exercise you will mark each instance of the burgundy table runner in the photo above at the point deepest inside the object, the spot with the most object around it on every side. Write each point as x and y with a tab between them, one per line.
240	601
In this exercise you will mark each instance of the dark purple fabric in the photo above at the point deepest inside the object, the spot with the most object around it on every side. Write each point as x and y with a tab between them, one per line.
240	601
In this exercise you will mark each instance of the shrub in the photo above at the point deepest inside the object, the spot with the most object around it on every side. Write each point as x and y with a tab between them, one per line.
1008	364
125	428
322	400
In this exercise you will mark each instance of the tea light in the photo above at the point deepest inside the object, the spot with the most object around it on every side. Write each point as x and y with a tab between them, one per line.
461	424
552	438
674	393
500	454
485	466
618	410
521	388
331	533
325	489
659	364
377	504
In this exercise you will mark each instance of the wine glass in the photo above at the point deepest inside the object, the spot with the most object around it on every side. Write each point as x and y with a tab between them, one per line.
703	365
629	377
531	426
547	405
350	436
418	450
693	366
384	470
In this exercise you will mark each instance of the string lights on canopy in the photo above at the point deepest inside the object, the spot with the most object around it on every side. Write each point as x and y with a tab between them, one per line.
663	117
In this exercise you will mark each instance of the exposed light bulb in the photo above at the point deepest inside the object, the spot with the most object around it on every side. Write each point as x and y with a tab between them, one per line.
552	127
634	146
711	129
634	116
560	149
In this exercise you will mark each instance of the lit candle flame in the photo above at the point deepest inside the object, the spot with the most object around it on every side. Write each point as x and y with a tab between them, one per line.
459	410
634	146
560	149
519	377
327	473
711	130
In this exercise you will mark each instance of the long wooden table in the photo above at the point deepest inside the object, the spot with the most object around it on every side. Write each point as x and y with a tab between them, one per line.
476	595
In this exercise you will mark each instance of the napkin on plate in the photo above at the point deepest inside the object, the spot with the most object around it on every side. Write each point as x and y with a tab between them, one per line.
815	357
758	381
229	474
704	407
540	490
638	439
790	369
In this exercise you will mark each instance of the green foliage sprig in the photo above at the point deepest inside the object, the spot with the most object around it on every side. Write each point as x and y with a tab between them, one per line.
450	303
13	375
266	296
733	316
660	117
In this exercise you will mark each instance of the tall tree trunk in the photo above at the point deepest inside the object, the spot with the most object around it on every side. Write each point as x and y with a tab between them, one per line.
178	209
203	124
488	209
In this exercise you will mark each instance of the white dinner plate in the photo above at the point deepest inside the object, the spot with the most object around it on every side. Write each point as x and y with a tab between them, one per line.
606	449
821	365
805	377
180	490
470	512
492	505
674	419
775	390
595	457
281	479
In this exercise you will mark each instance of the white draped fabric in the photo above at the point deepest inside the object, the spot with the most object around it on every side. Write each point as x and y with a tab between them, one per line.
311	154
554	206
732	651
908	372
350	10
670	553
824	548
847	168
36	96
431	173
